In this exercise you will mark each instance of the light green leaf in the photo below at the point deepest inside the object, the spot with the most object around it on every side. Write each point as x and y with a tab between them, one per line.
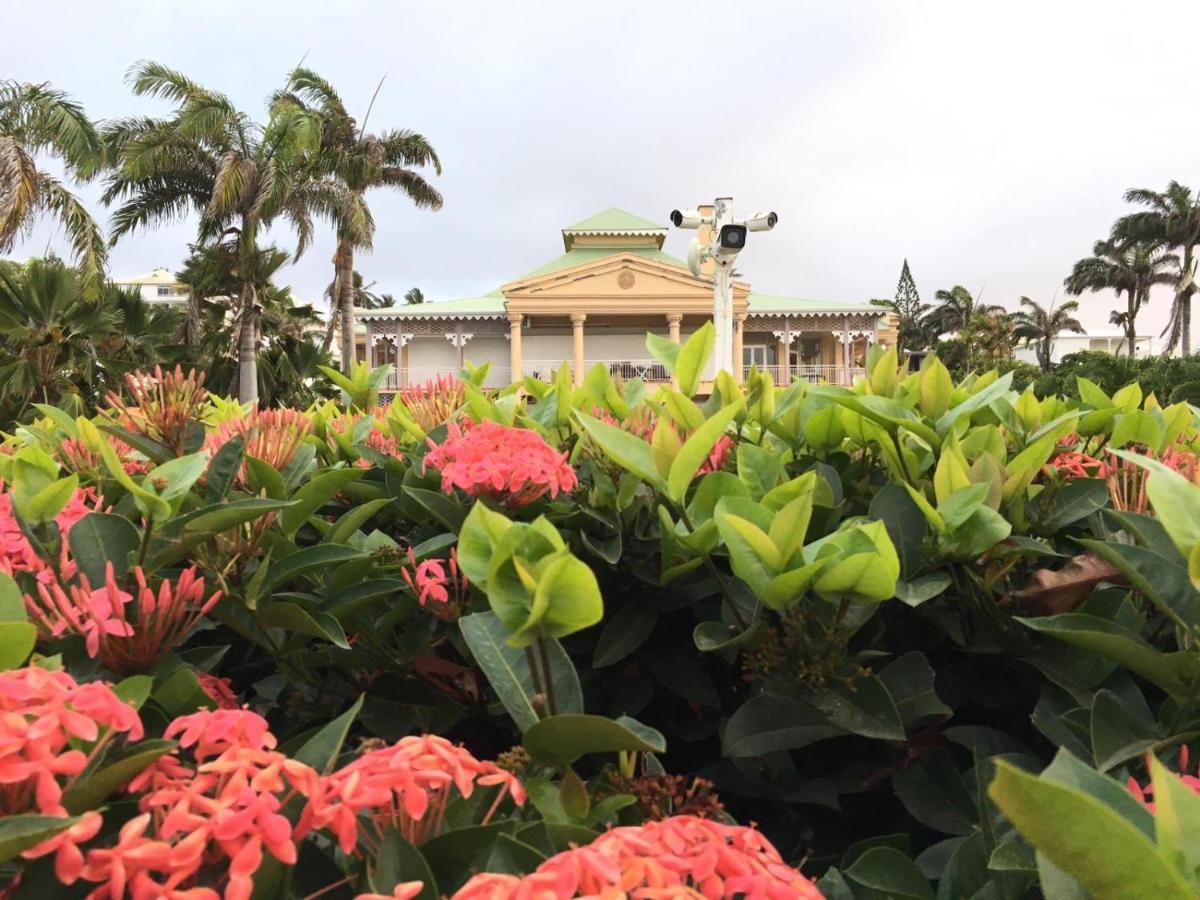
696	449
693	357
624	449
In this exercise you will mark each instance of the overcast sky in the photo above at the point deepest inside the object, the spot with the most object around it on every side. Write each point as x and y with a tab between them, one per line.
989	144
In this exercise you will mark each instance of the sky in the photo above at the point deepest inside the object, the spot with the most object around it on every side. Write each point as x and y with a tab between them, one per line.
989	144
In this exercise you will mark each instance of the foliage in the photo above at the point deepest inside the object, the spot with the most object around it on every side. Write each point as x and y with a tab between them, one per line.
913	326
1041	327
840	612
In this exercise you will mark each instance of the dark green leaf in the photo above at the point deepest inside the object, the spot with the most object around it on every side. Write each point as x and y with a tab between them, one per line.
565	738
322	750
624	633
100	538
91	790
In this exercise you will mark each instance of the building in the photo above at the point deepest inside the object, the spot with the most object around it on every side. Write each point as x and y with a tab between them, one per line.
595	303
1099	341
160	286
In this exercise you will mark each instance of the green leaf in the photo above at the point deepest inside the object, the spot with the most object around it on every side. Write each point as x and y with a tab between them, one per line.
100	538
321	751
353	519
1175	499
17	640
315	494
223	468
12	604
1174	672
223	516
1176	820
180	693
1117	734
905	523
916	592
293	617
769	723
665	350
507	669
693	357
310	559
19	833
935	389
398	861
888	870
696	449
48	502
173	479
867	708
624	633
1109	856
265	477
975	402
562	739
910	681
92	790
624	449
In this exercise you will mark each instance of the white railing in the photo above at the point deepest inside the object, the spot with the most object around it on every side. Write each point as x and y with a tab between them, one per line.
625	369
785	375
498	376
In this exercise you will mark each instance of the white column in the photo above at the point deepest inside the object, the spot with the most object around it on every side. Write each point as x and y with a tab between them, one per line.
577	320
514	346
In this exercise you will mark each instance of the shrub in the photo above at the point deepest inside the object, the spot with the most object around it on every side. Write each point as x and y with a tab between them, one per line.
565	638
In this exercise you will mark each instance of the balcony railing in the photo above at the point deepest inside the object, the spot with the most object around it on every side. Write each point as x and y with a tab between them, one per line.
648	370
498	376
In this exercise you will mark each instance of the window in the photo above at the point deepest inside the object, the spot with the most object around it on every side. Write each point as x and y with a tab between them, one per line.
1098	344
760	355
164	291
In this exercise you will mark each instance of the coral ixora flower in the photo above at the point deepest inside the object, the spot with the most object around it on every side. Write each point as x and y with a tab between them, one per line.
512	465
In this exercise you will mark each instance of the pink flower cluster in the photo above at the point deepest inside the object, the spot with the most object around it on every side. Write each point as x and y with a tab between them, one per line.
406	786
445	593
75	456
18	555
512	465
51	728
164	406
272	435
128	637
377	439
683	856
430	403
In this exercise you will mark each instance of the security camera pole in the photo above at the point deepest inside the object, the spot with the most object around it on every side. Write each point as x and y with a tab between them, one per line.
729	238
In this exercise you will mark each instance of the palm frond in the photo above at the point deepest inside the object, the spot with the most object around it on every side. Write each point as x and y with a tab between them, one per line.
87	240
419	191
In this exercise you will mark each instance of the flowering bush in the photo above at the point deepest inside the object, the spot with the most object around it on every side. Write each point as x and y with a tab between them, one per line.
557	640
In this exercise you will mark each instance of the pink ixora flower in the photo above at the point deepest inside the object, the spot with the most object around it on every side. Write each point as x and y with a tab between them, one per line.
438	584
272	435
128	633
51	729
430	403
163	406
683	856
1145	792
406	786
75	456
211	810
18	555
512	465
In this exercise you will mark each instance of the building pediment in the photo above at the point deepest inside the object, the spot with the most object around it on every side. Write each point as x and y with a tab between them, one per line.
622	282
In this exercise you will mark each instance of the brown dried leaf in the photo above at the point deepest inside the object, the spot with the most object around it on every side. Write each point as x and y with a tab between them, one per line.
1054	591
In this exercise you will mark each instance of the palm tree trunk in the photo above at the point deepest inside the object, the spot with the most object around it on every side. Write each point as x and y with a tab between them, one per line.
346	301
1131	326
335	300
248	348
1185	300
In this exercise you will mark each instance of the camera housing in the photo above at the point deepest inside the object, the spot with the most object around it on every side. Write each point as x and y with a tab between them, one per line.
731	240
688	218
762	221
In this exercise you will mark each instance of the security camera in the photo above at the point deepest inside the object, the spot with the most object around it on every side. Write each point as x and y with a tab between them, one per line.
687	218
732	240
762	221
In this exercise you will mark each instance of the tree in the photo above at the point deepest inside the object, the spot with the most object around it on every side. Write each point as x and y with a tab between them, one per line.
35	119
1172	220
955	309
414	296
210	158
1127	269
360	162
911	325
57	342
1040	327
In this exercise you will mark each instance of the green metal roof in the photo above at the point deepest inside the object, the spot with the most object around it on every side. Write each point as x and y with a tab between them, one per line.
615	220
490	304
580	255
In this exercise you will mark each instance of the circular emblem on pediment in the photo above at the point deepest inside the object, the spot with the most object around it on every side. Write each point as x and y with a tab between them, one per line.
625	280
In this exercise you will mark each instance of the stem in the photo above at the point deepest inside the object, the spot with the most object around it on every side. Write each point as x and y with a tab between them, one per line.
533	673
716	574
149	530
547	677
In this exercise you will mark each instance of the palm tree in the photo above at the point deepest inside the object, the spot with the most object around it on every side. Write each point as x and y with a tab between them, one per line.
210	158
1040	327
360	162
1173	221
414	296
955	310
1130	269
35	119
